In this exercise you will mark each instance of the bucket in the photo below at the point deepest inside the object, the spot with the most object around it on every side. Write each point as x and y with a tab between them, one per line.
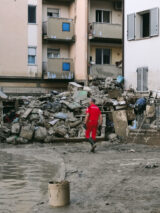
59	193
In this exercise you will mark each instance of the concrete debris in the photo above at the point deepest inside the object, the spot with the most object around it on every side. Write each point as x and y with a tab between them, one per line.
61	114
15	128
113	138
40	134
27	132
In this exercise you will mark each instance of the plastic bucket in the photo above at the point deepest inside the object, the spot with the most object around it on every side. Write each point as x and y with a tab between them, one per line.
59	193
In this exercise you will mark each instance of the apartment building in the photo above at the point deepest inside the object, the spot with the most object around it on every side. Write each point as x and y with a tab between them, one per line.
43	41
142	45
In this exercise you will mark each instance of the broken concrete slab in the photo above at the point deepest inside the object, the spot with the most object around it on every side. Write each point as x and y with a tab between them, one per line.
27	132
74	86
11	139
71	105
26	113
21	140
150	111
80	95
40	134
61	131
15	128
120	122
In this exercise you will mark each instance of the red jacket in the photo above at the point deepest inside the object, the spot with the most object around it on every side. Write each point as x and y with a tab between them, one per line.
94	112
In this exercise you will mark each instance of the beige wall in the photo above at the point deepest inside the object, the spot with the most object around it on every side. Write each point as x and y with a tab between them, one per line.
116	53
64	10
64	50
116	16
13	38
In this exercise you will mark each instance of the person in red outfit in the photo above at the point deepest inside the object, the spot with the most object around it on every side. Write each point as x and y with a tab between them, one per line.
93	119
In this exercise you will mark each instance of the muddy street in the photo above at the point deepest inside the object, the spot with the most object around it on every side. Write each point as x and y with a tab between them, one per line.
117	178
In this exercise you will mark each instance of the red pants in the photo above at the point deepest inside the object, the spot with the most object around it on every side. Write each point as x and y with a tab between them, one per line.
91	129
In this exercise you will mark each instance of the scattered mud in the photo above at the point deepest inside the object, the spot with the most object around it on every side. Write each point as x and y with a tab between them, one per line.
116	179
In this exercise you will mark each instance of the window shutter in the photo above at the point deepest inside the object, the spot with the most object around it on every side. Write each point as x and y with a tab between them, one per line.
131	27
139	79
145	78
154	22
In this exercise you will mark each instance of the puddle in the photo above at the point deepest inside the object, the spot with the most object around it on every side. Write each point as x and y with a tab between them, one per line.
23	182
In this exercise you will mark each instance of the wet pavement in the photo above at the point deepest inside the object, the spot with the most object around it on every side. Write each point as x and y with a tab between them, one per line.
113	180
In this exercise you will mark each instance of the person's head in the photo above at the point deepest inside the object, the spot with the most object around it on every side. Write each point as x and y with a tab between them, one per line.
92	101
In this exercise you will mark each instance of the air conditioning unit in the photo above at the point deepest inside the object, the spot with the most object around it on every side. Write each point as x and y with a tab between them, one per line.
118	5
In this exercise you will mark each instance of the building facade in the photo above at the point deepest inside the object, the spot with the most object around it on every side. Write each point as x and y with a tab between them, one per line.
141	45
47	40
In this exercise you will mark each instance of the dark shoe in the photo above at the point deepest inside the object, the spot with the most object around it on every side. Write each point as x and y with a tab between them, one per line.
93	148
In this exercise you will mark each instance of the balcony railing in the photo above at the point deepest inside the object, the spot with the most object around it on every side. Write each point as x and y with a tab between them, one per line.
58	29
58	68
103	71
105	31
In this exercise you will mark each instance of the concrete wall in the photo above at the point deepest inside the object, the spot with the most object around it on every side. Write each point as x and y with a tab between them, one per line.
116	16
144	52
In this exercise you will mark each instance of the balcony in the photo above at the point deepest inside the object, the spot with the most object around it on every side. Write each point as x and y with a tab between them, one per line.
58	29
104	71
58	68
105	31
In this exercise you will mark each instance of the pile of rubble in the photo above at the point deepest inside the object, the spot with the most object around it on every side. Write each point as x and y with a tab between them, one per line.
54	115
61	114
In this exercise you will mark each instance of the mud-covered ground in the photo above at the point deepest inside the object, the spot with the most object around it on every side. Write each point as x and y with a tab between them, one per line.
118	178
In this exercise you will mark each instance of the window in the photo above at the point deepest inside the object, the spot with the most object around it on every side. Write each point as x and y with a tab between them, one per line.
143	24
32	55
66	66
145	19
53	13
103	16
53	53
31	14
103	56
66	27
142	79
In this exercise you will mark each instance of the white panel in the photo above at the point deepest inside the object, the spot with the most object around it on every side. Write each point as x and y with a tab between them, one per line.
32	2
31	51
32	35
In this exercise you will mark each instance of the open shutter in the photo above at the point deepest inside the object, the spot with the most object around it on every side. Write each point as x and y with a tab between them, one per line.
154	22
131	27
145	78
